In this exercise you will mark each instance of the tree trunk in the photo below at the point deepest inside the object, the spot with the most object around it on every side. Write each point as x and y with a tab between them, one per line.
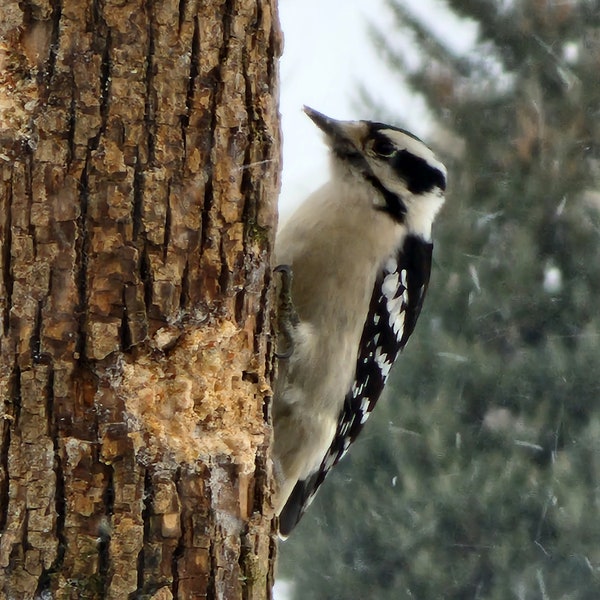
139	169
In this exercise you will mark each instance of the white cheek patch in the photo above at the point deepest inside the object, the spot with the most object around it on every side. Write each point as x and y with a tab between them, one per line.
422	211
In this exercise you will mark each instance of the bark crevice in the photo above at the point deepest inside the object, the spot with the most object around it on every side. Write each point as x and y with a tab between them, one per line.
134	344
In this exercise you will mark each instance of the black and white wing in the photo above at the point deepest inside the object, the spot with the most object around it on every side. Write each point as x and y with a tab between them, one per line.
394	308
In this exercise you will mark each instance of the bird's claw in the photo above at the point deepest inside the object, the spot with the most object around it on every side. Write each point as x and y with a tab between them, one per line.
287	317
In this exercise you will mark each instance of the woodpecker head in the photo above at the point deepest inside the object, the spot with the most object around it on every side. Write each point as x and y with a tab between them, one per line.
407	178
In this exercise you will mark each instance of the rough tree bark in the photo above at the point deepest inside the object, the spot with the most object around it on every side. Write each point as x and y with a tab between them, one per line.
139	167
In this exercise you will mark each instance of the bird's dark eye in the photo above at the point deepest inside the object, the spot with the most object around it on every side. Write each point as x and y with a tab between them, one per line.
383	147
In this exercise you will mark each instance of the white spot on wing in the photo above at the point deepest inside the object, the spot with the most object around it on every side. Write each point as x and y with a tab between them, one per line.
383	362
403	278
344	428
394	307
398	326
364	406
357	390
390	285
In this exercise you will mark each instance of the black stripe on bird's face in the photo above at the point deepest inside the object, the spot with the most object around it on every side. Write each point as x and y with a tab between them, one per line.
418	174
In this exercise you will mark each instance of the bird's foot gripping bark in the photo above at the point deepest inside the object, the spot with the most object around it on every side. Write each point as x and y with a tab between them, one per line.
287	317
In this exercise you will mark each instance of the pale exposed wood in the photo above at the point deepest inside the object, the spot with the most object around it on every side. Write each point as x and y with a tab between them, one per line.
139	170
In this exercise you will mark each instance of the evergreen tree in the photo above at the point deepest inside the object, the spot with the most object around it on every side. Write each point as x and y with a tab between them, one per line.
479	474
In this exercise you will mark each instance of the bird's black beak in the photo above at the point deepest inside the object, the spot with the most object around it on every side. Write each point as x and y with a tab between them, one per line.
326	124
342	136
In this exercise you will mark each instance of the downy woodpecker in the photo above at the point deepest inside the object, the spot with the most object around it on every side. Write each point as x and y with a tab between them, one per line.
358	255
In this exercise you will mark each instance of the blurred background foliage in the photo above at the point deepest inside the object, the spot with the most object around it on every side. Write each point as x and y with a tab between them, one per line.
479	474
